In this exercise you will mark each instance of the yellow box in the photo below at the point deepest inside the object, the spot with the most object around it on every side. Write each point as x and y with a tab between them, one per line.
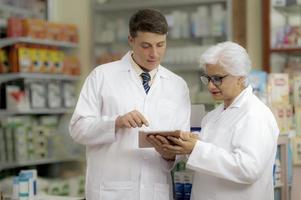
4	66
24	59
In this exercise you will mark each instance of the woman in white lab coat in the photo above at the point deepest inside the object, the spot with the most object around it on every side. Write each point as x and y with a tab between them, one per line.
115	102
234	156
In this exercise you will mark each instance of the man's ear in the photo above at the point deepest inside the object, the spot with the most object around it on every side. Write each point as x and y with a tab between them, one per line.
130	40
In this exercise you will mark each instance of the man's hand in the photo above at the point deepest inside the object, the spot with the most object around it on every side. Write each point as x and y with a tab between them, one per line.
182	145
158	141
132	119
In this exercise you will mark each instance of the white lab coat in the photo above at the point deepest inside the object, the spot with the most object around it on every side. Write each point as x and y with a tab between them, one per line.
234	158
116	168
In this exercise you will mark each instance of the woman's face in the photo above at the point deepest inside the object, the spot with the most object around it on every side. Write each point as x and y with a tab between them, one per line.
224	86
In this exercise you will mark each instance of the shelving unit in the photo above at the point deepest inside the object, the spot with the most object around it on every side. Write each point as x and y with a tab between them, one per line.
233	29
38	162
43	76
269	49
282	187
60	44
44	145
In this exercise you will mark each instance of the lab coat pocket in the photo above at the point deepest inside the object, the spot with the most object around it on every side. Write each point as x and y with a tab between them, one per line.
117	190
161	191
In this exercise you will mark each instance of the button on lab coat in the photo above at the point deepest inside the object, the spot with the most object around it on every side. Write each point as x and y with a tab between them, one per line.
116	168
234	158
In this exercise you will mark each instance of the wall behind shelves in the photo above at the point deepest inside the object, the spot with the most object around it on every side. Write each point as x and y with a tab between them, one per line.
79	14
254	32
76	12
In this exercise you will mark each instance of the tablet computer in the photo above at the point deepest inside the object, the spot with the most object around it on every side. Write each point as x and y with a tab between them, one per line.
143	143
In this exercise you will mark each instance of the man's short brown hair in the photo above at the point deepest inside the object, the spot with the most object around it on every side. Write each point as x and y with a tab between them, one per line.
148	20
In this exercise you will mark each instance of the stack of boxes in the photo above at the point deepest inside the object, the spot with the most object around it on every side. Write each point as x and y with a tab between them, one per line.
27	138
37	58
182	181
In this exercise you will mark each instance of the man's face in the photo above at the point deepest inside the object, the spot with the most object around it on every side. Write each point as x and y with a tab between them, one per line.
148	49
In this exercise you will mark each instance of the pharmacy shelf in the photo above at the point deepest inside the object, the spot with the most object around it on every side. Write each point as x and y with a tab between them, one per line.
50	197
14	76
3	23
13	9
289	10
61	44
280	185
109	7
39	162
45	111
287	49
182	67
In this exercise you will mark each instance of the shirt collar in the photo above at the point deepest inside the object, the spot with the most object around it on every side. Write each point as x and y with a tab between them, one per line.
138	69
127	61
240	99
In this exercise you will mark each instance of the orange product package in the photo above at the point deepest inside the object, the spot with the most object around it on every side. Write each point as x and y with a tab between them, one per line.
71	65
14	27
34	28
70	33
19	58
54	31
4	65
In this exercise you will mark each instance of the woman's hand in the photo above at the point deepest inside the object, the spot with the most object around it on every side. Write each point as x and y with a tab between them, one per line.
158	141
182	145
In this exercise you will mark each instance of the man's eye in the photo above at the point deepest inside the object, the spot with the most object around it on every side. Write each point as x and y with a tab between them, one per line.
145	46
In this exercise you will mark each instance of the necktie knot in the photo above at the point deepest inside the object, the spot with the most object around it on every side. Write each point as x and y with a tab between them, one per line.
145	79
145	76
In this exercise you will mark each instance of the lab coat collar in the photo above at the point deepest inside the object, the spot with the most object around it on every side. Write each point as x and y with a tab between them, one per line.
241	98
162	72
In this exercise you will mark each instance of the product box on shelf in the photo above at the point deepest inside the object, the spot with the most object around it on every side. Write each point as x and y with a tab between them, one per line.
54	31
36	60
54	94
70	33
4	65
278	88
284	117
14	27
71	65
69	94
34	28
297	90
57	60
298	119
37	94
20	58
16	98
45	60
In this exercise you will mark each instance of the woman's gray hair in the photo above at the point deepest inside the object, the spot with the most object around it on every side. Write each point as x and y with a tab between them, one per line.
230	56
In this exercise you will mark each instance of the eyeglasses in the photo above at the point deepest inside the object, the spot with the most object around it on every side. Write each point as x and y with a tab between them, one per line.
216	80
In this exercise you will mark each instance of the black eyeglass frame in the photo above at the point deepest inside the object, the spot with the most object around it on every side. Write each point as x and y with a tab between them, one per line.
216	80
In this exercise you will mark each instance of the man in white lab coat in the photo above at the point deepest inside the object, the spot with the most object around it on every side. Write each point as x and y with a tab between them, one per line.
118	99
234	156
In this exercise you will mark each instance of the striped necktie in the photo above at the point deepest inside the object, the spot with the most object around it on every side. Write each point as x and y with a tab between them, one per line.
145	79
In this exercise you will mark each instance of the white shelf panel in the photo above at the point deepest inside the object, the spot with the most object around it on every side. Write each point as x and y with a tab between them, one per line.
38	162
279	185
108	7
182	67
289	10
13	9
51	197
15	76
10	41
47	111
